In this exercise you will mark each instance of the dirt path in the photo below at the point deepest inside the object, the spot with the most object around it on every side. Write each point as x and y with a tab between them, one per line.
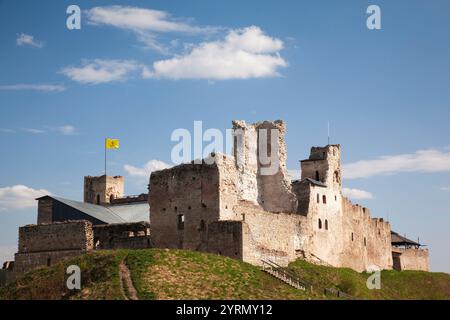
128	289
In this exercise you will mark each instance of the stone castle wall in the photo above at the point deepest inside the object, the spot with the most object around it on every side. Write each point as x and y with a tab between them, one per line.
411	259
366	240
183	201
46	244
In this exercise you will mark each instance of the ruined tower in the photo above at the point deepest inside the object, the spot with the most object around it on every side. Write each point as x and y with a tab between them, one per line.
260	153
324	165
101	190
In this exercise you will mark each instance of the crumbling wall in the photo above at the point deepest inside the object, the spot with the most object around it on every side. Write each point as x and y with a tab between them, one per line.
122	236
183	201
262	182
411	259
269	236
46	244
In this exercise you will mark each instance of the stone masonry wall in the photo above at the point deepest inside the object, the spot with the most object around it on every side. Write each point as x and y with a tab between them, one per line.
70	235
46	244
271	191
366	240
183	201
269	236
45	210
412	259
122	236
103	188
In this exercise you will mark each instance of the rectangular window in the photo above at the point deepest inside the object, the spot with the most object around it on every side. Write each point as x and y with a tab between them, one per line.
180	222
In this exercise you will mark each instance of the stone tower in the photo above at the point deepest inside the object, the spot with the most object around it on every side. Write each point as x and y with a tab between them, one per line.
324	165
101	190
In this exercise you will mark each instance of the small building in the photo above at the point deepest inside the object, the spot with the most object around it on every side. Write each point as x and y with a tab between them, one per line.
66	228
408	254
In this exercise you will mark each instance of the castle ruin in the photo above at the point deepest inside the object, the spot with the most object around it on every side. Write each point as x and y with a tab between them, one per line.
230	208
227	205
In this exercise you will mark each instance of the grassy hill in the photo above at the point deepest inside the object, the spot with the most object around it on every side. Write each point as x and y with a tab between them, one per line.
178	274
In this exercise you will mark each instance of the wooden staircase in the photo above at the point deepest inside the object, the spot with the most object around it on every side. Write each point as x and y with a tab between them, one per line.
295	281
285	275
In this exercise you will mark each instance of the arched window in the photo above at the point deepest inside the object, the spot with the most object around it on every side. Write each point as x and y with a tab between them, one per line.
318	198
324	199
98	199
353	238
326	224
317	176
365	242
320	224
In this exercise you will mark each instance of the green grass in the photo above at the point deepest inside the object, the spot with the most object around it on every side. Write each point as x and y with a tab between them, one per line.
179	274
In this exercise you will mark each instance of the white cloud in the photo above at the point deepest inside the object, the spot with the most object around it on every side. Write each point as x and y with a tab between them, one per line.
66	130
101	71
244	53
147	169
357	194
421	161
24	39
133	18
6	130
34	87
19	197
445	188
145	23
33	130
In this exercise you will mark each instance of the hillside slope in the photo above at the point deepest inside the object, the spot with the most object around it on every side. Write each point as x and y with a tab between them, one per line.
178	274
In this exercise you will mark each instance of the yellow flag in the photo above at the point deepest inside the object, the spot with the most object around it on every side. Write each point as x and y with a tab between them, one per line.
112	143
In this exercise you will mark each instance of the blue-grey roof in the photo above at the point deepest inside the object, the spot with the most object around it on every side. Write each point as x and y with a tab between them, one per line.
315	182
134	212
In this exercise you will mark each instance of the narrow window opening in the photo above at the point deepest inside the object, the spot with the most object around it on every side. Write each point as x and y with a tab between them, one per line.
318	198
180	222
326	224
98	199
365	242
353	238
317	176
324	199
320	224
49	262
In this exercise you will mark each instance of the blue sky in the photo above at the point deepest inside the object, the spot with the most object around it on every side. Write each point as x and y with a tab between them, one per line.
385	93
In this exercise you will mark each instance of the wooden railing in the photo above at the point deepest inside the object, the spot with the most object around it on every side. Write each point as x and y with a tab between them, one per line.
295	281
285	275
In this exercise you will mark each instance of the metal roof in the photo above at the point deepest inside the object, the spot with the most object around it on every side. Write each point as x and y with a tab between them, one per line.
134	212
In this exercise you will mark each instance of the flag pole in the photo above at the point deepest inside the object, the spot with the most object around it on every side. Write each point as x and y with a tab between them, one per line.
328	132
105	156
